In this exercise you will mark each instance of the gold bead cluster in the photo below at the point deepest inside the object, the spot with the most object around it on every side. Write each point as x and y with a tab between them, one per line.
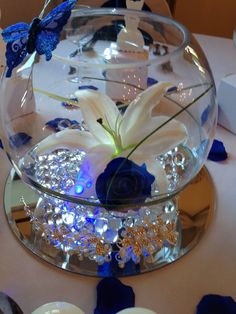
148	239
136	242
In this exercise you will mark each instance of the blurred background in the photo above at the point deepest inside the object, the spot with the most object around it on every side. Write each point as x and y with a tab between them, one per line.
212	17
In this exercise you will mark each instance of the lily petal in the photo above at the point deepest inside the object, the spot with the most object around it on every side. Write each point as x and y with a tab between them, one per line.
94	163
155	168
97	159
139	111
69	139
164	139
95	105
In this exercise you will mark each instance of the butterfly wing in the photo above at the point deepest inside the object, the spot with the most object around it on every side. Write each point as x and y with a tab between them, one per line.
16	37
15	32
50	28
48	33
15	53
46	42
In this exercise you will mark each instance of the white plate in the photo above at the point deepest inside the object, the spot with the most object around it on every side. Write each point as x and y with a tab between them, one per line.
58	308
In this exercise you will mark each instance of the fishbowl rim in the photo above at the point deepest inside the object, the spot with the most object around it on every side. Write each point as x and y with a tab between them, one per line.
94	202
101	12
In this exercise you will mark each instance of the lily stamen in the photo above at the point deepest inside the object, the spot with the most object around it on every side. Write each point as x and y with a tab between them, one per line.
115	137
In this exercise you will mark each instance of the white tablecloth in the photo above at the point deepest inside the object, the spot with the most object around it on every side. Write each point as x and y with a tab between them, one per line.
177	288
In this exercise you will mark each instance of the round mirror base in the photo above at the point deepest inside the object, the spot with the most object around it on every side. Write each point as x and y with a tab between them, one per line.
196	205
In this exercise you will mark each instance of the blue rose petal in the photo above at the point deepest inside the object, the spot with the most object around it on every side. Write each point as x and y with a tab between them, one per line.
217	152
172	89
19	139
216	304
1	145
124	182
151	81
58	124
68	105
88	87
113	296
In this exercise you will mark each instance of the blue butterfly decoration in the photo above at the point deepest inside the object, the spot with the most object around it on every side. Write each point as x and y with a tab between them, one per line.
41	35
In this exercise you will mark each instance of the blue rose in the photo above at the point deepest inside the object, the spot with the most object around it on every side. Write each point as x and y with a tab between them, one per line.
124	182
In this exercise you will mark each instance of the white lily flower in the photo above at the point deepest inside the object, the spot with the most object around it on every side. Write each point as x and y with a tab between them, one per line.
113	134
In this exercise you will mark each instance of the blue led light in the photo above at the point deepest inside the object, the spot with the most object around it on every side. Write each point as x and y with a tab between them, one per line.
89	184
79	189
83	182
90	220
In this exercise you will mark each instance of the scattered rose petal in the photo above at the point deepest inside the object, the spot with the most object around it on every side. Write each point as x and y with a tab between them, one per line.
88	87
19	139
217	152
151	81
172	89
68	105
59	124
1	145
113	296
216	304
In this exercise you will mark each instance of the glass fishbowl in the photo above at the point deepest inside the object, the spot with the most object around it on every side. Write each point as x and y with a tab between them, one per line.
108	132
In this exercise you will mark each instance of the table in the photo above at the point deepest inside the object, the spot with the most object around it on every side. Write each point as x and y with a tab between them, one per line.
209	268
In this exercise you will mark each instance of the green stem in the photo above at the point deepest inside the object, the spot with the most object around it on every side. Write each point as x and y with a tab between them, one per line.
188	87
154	131
168	120
112	81
56	97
